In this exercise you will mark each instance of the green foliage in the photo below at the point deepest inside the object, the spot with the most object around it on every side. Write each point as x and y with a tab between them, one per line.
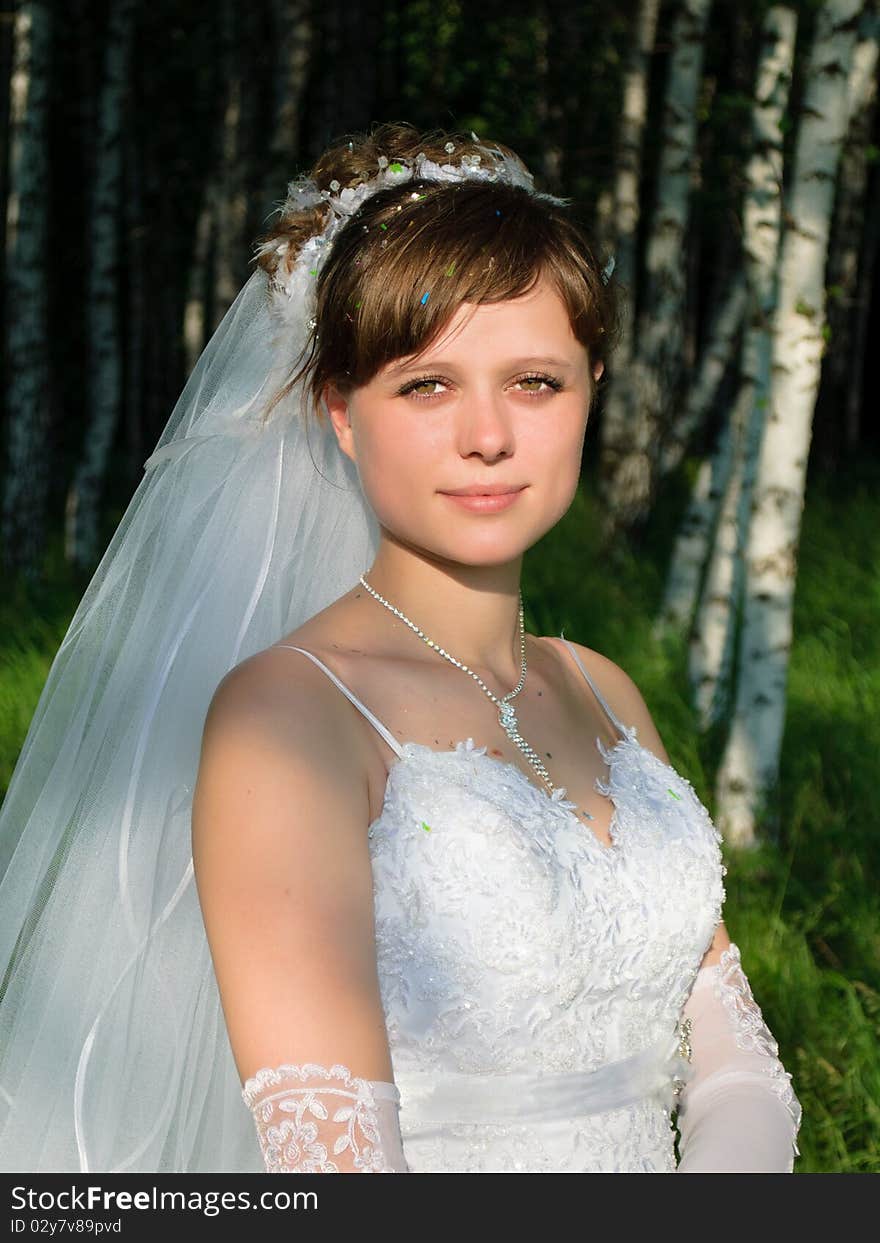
804	909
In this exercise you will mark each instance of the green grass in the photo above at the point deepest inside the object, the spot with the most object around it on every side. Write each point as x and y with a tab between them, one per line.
33	621
804	905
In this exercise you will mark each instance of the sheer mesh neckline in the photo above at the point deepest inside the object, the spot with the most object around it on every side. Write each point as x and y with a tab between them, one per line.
466	748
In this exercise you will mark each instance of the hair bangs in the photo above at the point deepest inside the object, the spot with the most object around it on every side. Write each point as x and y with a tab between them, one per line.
413	254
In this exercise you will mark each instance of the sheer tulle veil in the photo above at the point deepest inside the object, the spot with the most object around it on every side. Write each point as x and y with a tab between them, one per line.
113	1051
114	1055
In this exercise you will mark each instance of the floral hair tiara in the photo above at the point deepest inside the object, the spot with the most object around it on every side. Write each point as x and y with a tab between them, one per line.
293	291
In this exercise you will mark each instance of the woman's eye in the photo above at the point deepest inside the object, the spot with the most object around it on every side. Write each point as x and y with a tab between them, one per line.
538	384
423	388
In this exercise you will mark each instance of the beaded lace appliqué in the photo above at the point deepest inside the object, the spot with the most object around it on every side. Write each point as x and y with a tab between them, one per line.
751	1032
510	938
288	1117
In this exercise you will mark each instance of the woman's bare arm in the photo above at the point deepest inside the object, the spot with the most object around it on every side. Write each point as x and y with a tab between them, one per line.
280	851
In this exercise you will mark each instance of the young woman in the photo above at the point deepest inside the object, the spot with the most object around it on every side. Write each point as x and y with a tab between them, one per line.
462	914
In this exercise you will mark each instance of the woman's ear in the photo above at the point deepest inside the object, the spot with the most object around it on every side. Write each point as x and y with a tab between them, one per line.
337	407
598	368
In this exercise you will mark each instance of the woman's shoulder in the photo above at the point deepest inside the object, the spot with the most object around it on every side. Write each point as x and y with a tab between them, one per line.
594	661
282	774
278	682
278	703
620	691
604	672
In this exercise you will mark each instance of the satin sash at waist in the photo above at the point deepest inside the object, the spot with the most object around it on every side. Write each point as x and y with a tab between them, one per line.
432	1099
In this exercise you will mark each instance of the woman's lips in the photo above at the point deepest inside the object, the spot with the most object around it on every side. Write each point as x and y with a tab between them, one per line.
485	504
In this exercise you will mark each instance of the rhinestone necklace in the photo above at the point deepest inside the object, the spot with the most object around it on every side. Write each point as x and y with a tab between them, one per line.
506	711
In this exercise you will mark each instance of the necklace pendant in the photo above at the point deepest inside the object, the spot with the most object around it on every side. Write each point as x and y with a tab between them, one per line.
507	718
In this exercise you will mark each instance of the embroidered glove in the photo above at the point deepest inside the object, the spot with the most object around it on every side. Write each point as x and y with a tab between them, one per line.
311	1120
738	1112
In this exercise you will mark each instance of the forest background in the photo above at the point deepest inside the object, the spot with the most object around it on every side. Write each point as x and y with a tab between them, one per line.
724	546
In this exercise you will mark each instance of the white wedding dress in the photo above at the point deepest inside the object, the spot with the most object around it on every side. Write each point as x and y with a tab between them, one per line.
532	977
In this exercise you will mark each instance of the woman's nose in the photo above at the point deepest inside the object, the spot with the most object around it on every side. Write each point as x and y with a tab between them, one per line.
485	427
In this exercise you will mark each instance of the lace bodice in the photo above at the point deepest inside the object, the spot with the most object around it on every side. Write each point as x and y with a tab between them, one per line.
510	939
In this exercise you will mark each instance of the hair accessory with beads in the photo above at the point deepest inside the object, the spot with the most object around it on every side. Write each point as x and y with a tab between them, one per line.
293	287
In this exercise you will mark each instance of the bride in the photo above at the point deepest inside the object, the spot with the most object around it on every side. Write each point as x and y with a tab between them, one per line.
445	904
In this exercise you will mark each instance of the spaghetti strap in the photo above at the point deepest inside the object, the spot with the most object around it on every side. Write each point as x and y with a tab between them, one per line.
361	707
615	720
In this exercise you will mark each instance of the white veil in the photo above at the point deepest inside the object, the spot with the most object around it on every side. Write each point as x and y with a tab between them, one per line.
113	1049
114	1055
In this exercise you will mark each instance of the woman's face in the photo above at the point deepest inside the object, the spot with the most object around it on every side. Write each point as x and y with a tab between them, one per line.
500	398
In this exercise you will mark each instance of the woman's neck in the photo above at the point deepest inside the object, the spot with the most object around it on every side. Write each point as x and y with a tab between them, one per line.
470	611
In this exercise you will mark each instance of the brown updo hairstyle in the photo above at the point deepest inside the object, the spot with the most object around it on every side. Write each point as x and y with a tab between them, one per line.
469	241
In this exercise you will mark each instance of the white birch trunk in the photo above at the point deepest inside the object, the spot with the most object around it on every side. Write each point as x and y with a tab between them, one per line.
25	486
712	643
713	362
622	229
750	764
710	653
691	550
102	297
657	362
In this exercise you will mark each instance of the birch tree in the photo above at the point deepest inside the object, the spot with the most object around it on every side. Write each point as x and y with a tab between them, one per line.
693	540
102	296
626	214
714	360
750	763
712	643
629	458
25	487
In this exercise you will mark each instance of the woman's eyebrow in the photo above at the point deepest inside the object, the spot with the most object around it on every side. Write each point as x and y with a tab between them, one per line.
513	364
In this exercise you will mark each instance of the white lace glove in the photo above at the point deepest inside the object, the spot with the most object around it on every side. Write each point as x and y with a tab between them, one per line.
311	1120
738	1113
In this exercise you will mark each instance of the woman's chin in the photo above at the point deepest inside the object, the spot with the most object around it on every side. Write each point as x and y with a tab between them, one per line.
473	551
